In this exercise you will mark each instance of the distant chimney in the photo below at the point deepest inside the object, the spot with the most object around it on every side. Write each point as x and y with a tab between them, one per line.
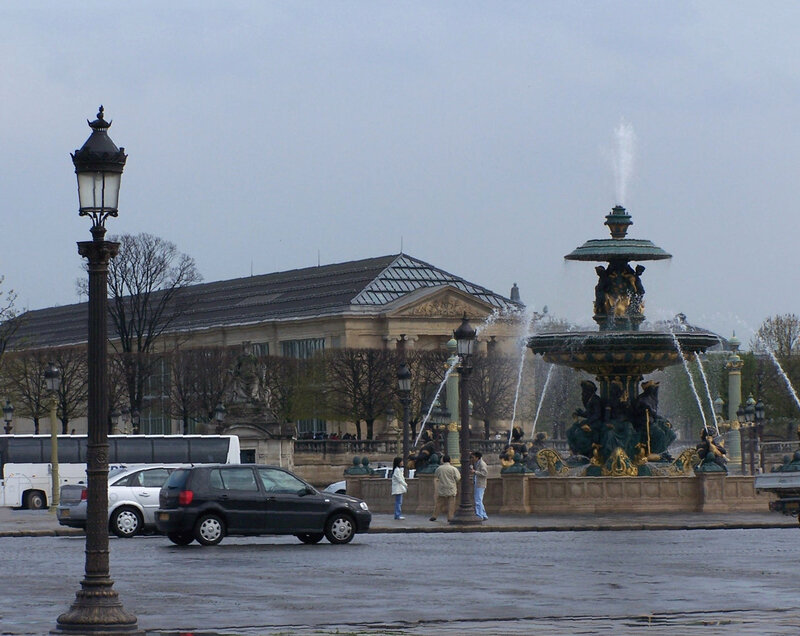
515	293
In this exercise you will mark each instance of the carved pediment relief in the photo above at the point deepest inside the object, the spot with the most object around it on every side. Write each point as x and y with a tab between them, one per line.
444	304
449	307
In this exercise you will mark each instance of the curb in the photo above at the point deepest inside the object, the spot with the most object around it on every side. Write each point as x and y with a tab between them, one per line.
583	528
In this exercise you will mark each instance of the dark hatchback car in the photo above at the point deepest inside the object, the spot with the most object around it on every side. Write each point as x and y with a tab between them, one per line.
207	503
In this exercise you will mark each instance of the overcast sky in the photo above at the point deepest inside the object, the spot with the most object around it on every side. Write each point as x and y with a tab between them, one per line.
480	136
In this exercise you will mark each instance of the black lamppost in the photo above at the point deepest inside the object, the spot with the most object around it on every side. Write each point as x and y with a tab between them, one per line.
759	413
98	164
8	416
742	418
465	337
404	390
219	417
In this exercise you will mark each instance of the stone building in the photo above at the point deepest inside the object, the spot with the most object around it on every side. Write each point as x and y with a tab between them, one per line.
384	302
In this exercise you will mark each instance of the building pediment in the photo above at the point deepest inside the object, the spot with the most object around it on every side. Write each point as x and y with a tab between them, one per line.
440	302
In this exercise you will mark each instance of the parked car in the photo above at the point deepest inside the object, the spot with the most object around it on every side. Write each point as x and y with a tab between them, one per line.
207	503
132	500
385	472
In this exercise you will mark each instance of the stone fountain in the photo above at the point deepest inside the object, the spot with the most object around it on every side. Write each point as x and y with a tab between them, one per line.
618	430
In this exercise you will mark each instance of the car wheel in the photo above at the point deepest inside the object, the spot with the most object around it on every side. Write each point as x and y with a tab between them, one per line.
35	500
340	528
209	530
310	537
180	538
126	522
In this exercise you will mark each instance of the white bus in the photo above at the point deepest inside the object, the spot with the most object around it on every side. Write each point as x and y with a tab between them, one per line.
26	472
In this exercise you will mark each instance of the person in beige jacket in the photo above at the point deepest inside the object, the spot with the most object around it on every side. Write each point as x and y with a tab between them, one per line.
446	479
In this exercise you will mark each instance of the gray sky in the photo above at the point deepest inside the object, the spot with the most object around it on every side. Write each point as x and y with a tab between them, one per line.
261	134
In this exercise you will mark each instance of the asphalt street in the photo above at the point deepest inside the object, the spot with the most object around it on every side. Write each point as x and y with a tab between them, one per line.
731	581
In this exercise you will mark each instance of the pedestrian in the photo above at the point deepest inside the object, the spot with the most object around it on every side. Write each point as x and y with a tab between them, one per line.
446	479
480	472
399	487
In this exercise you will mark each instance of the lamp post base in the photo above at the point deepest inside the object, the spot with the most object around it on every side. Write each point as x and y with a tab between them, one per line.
99	612
466	517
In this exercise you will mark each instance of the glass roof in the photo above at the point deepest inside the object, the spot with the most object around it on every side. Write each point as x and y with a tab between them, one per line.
407	274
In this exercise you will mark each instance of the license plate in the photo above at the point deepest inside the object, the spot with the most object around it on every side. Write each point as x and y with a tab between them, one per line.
65	513
163	516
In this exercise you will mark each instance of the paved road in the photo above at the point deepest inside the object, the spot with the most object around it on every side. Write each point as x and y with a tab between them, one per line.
626	582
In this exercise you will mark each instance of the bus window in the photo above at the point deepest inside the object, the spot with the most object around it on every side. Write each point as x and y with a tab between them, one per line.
132	450
209	450
24	450
69	451
171	450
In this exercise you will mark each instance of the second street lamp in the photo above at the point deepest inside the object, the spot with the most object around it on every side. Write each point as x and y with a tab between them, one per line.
219	417
404	390
52	378
8	416
465	337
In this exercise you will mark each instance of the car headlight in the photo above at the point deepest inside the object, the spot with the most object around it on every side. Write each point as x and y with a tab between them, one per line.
364	505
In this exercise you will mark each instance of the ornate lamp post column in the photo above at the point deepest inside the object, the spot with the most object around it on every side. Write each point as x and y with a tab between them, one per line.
8	416
750	416
97	608
465	338
404	390
52	378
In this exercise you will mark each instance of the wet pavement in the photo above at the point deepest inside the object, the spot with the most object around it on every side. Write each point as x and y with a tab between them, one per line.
737	576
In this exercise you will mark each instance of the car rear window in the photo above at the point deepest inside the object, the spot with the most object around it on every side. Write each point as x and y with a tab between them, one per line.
178	478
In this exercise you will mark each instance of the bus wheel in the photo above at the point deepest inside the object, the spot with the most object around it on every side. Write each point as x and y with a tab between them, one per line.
35	500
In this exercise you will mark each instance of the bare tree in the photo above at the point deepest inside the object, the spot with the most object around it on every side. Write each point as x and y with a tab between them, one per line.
73	392
24	378
184	368
144	283
279	380
491	388
361	384
9	322
779	334
428	369
215	379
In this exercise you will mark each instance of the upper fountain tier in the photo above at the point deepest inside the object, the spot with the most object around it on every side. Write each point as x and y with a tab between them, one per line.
618	248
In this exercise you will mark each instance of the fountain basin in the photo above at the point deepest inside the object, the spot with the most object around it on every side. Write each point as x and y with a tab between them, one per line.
628	352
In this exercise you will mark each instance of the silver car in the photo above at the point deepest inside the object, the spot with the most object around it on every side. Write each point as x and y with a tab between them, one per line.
132	500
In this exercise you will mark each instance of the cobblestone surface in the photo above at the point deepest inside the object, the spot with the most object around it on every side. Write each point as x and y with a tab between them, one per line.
732	581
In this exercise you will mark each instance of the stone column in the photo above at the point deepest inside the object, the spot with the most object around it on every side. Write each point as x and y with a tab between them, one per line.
734	367
453	426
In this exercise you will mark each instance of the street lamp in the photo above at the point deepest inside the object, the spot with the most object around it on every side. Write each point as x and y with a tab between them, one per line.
115	420
52	378
719	404
98	166
404	390
8	416
760	416
465	337
219	417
